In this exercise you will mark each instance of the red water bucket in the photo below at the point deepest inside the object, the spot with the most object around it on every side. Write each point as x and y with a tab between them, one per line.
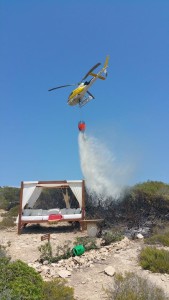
82	126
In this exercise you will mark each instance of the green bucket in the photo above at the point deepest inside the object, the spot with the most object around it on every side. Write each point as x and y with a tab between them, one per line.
78	250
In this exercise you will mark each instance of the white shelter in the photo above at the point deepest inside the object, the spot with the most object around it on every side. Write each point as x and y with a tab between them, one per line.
30	192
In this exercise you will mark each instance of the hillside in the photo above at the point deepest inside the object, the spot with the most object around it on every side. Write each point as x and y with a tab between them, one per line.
142	211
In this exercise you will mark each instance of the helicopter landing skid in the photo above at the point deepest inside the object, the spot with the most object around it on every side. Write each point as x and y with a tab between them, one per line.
85	100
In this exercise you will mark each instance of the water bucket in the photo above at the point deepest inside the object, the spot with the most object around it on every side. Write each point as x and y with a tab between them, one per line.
78	250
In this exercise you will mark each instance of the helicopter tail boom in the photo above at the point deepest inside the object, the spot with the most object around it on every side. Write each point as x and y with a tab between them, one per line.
98	76
106	62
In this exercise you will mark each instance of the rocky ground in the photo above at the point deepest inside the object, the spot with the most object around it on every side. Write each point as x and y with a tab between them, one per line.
89	274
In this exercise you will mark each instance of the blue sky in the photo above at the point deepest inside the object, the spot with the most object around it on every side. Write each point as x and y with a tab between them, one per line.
48	43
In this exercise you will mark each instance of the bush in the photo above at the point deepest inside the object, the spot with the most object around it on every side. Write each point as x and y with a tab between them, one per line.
62	252
13	212
155	260
19	281
9	197
3	251
162	239
111	237
133	287
57	290
46	252
7	222
89	243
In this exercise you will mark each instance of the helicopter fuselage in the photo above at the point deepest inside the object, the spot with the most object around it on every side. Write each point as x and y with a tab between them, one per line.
77	94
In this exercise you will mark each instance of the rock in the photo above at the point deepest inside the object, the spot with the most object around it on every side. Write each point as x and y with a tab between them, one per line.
53	265
64	273
91	265
53	273
110	271
69	269
45	262
103	250
139	236
45	270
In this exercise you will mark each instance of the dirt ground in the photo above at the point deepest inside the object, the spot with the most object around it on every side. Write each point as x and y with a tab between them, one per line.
89	283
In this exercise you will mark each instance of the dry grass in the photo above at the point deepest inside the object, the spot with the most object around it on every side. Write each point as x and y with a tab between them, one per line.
133	287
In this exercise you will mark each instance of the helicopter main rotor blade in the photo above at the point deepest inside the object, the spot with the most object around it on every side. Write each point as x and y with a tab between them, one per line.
61	86
92	69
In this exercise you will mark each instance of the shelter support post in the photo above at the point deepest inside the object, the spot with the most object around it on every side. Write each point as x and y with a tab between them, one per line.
20	209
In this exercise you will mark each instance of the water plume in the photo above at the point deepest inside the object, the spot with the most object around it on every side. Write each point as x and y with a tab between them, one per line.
103	176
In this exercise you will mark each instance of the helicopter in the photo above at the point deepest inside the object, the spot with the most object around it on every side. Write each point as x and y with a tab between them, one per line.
81	95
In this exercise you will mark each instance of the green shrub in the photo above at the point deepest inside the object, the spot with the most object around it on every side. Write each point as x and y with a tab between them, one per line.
13	212
62	252
46	252
89	243
3	251
20	281
7	222
133	287
162	239
155	260
111	237
9	197
57	290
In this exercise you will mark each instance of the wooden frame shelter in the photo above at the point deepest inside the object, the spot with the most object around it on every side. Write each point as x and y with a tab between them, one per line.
30	192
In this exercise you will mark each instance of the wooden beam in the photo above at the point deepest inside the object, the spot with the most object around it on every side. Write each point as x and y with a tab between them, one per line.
53	182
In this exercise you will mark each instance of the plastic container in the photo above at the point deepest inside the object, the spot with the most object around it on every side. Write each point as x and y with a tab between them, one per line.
54	217
78	250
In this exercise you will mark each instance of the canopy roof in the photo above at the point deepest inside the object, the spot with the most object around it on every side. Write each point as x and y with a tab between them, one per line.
31	190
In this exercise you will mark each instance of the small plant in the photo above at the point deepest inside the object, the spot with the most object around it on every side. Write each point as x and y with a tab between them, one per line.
155	260
62	252
162	239
57	290
88	242
7	222
9	243
2	251
133	287
111	237
46	252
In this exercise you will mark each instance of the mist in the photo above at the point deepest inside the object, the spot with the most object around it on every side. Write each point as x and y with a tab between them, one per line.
103	174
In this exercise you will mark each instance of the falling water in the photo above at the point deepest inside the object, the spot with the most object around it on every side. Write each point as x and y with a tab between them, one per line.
103	176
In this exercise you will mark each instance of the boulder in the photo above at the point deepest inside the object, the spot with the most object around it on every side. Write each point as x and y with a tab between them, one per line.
139	236
110	271
64	273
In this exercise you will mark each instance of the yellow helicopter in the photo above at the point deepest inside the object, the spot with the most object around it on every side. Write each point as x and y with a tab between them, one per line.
81	95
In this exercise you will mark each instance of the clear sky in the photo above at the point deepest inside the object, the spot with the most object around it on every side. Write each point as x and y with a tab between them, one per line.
49	43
